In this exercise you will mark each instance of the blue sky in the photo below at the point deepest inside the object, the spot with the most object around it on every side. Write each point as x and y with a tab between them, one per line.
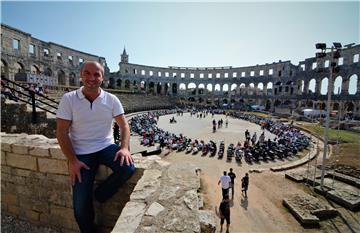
189	34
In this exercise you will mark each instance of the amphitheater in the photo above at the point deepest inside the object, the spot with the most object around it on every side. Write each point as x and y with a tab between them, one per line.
176	192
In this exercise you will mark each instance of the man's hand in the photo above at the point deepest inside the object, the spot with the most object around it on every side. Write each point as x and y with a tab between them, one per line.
124	154
75	168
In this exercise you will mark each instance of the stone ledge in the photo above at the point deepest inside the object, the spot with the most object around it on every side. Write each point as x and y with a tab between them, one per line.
308	210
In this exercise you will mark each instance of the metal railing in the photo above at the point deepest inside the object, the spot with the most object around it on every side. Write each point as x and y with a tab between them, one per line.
29	96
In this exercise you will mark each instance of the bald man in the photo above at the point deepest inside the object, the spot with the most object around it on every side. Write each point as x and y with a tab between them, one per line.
84	133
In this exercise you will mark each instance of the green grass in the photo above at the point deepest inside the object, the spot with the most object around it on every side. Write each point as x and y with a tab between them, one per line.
344	136
347	152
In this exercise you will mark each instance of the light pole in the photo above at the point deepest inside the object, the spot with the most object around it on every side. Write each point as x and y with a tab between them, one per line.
334	56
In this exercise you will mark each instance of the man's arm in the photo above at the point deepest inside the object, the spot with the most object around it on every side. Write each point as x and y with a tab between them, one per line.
124	153
62	135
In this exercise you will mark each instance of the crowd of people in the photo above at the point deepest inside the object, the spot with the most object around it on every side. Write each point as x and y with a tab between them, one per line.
14	93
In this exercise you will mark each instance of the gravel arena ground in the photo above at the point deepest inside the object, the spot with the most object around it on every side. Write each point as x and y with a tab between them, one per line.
262	211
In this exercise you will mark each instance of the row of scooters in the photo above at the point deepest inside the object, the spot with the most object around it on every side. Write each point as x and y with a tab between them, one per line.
269	150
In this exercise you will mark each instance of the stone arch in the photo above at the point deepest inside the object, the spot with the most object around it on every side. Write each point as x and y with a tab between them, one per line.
127	84
309	104
19	67
174	88
300	86
201	88
251	88
4	69
152	87
233	87
182	86
260	87
72	79
277	103
209	87
242	88
217	87
34	69
277	87
336	106
158	88
312	86
61	77
324	86
48	71
225	87
322	105
118	83
166	88
353	84
349	106
269	88
191	99
338	85
191	85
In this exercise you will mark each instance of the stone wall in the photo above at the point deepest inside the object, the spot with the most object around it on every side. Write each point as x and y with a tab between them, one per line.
160	197
16	118
35	184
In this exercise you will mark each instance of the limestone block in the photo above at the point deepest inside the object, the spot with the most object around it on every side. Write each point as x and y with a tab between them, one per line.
18	180
13	209
147	185
62	216
3	158
56	153
191	200
154	209
32	215
168	193
5	147
130	217
207	221
4	207
53	166
41	151
21	172
180	219
21	161
20	149
178	174
5	170
10	199
201	200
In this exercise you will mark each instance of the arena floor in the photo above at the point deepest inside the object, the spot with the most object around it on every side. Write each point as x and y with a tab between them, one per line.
262	211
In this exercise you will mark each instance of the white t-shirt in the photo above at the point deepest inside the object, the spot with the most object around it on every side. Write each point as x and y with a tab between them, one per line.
91	127
225	182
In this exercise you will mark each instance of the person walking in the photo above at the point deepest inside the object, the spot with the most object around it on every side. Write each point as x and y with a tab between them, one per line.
84	132
232	184
225	181
224	210
245	184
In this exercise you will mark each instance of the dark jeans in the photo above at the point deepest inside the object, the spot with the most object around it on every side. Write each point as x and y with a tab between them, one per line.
83	192
225	192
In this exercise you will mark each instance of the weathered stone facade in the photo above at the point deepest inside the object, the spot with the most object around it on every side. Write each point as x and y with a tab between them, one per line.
280	84
25	58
